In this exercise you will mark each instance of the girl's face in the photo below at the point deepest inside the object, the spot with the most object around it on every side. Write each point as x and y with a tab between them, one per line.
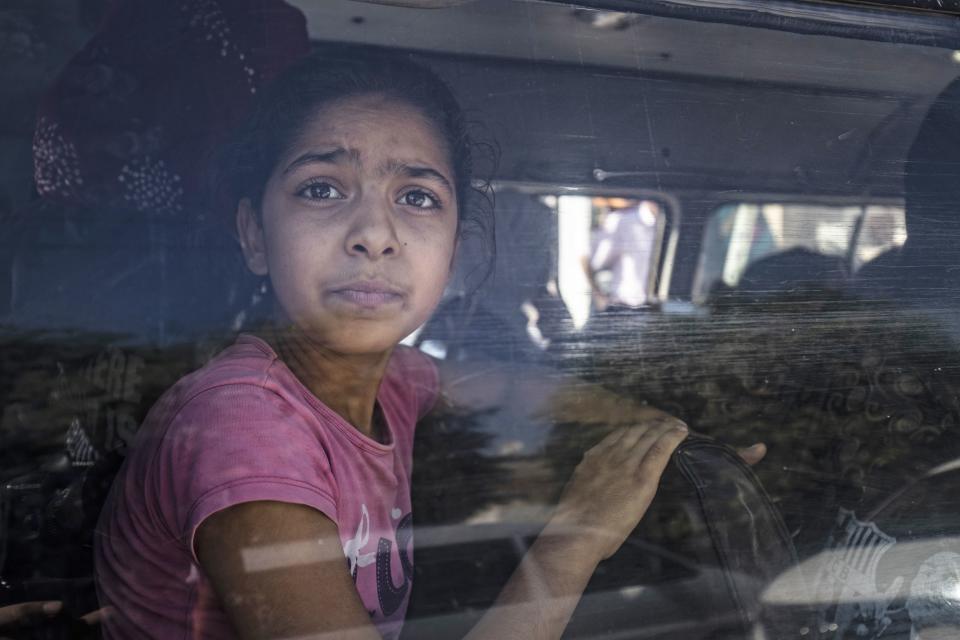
358	225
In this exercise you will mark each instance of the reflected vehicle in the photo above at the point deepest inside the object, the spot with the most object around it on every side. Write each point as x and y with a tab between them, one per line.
796	167
894	573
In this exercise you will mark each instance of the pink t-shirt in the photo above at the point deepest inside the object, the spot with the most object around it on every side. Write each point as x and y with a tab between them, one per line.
244	428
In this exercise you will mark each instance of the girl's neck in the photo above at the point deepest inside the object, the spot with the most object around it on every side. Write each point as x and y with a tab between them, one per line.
346	383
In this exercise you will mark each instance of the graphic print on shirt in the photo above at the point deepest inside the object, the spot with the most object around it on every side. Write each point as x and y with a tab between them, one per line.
389	595
351	549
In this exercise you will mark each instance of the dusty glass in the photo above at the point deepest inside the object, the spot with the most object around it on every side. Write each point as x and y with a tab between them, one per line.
741	213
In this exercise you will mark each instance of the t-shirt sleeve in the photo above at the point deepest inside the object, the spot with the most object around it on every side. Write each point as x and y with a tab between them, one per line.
239	443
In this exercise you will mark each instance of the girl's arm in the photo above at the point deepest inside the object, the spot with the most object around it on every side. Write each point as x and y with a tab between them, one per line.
308	592
604	500
279	570
606	497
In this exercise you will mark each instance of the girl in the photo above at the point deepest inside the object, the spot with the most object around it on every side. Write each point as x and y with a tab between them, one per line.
267	494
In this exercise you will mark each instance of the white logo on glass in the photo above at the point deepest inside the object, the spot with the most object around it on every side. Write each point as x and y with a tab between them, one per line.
849	580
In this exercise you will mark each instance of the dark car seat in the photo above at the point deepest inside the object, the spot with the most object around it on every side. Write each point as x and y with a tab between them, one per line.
794	271
925	270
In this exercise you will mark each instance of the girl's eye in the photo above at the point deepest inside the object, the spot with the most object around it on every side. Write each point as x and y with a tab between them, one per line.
420	199
320	191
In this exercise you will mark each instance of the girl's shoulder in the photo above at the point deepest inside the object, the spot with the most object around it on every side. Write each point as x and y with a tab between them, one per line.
238	387
249	360
411	379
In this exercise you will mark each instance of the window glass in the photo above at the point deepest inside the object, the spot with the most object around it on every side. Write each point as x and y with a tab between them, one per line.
402	302
739	235
881	229
610	251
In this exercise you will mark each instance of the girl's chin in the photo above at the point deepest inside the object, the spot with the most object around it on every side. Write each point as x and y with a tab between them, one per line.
347	335
363	347
356	340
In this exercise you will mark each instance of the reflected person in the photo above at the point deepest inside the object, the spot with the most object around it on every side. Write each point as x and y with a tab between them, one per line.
623	246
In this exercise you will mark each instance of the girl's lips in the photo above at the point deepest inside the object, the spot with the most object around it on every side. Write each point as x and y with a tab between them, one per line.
368	299
367	294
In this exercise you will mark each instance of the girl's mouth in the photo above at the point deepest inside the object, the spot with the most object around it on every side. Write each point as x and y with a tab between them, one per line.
368	294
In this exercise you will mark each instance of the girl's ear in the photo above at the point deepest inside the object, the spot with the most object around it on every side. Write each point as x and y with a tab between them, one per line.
250	234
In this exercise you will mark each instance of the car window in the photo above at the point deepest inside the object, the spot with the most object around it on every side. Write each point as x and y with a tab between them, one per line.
740	215
738	235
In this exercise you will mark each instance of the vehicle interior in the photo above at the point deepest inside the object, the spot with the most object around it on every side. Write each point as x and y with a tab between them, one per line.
791	166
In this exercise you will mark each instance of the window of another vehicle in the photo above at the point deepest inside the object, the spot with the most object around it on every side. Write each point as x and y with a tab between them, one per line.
738	235
612	251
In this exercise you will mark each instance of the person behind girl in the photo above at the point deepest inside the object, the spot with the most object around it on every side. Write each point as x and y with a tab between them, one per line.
268	494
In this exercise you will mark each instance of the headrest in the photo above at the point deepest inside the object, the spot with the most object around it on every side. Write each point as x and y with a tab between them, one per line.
132	116
932	171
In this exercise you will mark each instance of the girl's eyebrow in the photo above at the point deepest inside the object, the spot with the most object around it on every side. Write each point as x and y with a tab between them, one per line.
334	156
418	171
338	155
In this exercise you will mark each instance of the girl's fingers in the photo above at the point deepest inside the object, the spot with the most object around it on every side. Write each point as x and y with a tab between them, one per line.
624	450
25	611
753	454
646	438
609	442
627	445
95	617
657	454
631	435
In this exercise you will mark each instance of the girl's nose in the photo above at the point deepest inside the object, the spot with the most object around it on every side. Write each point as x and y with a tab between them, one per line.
372	233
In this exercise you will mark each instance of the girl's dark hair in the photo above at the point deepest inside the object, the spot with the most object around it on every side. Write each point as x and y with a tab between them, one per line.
284	108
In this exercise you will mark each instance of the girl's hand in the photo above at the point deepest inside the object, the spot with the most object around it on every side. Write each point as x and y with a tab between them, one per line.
614	484
753	454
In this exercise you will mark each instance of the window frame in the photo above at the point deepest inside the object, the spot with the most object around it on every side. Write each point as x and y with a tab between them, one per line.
894	21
